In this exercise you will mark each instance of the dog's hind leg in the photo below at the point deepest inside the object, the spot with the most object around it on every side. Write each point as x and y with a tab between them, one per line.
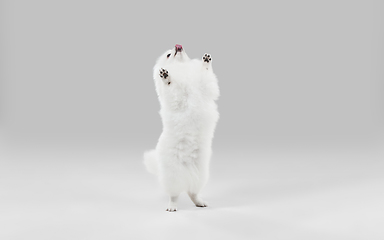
197	200
172	205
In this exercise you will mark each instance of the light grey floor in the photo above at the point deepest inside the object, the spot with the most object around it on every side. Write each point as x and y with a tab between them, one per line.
107	194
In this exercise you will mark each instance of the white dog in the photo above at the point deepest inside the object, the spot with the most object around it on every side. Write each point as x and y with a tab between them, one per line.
187	90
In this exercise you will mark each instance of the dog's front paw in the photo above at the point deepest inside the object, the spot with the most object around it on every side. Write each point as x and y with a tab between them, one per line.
163	73
165	76
207	58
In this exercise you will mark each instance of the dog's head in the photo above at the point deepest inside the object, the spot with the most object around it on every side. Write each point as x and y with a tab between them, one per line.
177	54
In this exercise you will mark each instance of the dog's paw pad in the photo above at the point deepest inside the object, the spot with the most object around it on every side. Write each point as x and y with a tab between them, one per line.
164	73
207	58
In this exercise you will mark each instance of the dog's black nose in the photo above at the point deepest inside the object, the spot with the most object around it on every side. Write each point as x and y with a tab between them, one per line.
178	48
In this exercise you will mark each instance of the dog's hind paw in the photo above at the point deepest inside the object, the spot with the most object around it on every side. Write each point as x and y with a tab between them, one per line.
172	205
201	204
197	200
171	209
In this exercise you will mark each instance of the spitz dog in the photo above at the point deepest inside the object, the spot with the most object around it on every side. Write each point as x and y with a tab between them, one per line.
187	90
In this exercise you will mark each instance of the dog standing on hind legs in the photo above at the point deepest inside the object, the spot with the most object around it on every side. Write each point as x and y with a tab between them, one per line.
187	90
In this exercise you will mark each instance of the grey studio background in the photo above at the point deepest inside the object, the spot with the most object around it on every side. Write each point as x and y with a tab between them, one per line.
298	151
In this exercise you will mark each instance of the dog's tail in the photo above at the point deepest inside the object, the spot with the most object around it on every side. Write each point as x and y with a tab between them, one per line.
150	161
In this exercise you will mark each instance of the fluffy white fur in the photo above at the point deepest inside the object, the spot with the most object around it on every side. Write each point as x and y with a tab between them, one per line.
187	90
